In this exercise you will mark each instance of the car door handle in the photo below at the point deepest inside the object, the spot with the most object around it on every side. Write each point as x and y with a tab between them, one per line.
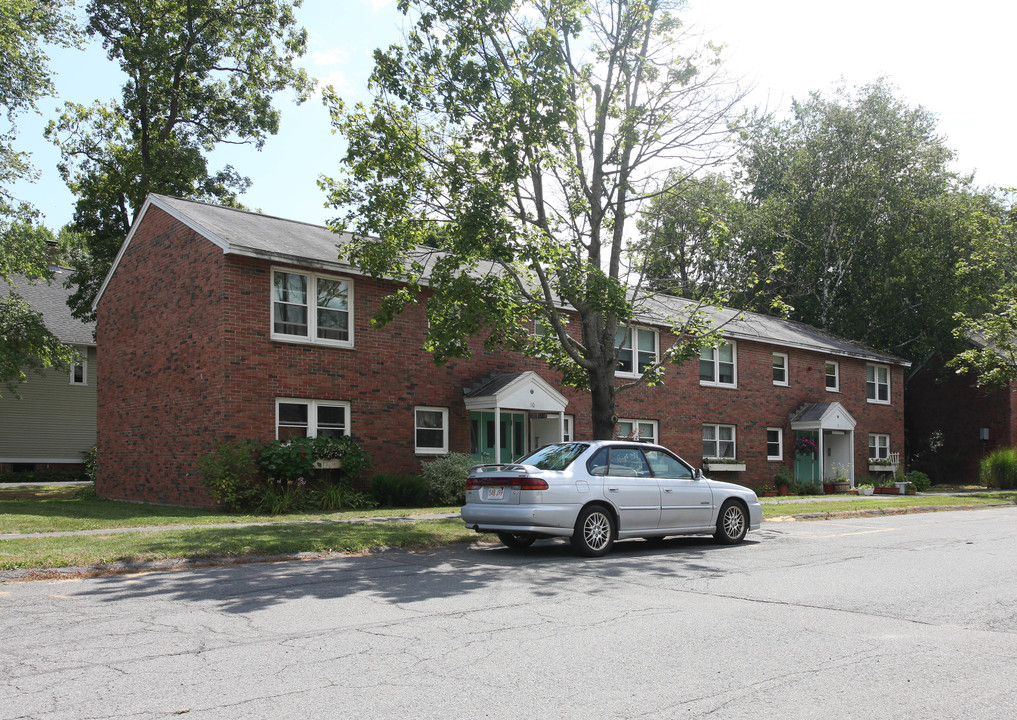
668	489
610	489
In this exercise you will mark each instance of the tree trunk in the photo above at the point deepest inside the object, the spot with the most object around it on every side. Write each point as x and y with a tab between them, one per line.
602	398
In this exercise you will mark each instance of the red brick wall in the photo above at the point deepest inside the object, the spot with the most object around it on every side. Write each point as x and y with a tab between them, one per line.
160	372
942	402
187	362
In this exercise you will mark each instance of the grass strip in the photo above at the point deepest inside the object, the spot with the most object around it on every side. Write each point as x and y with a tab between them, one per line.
782	509
202	542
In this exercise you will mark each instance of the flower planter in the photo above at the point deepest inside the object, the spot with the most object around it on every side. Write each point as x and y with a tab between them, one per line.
328	464
873	467
887	490
841	487
725	467
769	493
865	491
783	489
827	488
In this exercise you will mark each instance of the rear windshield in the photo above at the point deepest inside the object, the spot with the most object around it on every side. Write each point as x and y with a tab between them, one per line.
555	457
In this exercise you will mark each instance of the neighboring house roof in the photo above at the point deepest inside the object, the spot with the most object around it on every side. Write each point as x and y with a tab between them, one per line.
50	299
241	232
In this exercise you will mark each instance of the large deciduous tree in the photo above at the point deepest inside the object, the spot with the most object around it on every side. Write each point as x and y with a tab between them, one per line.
518	139
990	336
200	73
862	220
26	26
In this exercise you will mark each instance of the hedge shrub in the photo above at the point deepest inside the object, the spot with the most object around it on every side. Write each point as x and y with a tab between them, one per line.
999	469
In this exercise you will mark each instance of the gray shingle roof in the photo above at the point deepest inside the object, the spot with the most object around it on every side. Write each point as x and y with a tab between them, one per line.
50	299
248	233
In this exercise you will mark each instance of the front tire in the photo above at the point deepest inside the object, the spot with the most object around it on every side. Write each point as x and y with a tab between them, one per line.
732	523
516	541
594	532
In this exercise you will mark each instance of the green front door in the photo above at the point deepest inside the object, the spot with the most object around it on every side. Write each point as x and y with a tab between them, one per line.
513	437
806	463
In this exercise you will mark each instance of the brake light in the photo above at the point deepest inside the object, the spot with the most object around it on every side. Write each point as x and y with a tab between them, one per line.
526	482
530	483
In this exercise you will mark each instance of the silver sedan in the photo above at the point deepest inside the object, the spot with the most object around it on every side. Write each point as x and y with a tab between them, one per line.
601	491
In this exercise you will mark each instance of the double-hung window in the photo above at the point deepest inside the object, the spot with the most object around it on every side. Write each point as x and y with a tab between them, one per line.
774	444
832	376
877	384
79	369
879	446
637	349
717	365
719	442
311	308
637	430
430	430
780	369
311	418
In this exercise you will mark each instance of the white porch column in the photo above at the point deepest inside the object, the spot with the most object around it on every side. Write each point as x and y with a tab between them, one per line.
561	425
497	434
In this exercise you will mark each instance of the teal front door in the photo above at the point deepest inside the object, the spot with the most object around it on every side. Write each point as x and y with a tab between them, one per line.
513	437
806	463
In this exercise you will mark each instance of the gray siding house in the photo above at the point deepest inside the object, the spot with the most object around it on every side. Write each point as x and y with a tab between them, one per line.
52	425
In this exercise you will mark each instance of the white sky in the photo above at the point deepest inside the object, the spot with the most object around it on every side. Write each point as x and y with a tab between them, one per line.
956	59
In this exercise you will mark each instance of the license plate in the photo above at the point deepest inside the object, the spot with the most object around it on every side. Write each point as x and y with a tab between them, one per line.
495	493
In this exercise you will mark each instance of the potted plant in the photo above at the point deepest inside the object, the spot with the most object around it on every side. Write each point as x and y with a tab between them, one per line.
865	489
783	480
769	491
841	483
805	446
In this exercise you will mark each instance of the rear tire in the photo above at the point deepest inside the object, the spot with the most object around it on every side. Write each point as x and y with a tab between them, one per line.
594	532
732	523
516	541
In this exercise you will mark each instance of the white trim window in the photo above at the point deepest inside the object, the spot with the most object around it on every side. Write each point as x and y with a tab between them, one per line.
645	350
774	444
430	430
832	370
311	418
311	308
877	384
629	429
79	369
568	421
879	446
718	441
780	372
718	365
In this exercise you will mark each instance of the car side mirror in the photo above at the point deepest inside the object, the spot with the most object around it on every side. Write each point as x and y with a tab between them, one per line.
699	474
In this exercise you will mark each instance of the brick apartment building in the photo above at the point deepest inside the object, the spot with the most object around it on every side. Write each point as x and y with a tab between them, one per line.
216	323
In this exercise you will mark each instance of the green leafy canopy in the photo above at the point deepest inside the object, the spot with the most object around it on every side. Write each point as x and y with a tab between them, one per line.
508	146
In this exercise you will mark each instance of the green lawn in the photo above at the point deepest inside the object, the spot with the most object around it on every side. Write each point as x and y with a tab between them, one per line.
52	509
876	502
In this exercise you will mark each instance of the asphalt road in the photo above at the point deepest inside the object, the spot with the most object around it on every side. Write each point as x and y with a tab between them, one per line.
910	616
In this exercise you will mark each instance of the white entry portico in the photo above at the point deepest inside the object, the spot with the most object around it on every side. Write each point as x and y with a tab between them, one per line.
509	412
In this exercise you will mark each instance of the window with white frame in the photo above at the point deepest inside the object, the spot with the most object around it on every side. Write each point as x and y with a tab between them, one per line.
879	446
832	376
311	308
568	421
637	349
774	444
311	418
79	369
877	384
628	429
719	442
430	430
780	376
717	365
